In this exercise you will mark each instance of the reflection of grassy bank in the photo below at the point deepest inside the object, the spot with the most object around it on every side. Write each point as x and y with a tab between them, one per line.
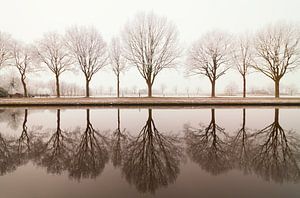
148	101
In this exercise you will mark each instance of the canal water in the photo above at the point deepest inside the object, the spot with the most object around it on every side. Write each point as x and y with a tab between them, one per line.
141	152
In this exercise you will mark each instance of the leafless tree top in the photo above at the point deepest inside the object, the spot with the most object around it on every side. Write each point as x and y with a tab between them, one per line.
52	52
117	59
243	54
87	48
209	55
277	49
151	44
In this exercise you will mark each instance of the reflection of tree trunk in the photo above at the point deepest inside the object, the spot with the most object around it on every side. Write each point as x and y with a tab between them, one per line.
117	144
276	88
57	85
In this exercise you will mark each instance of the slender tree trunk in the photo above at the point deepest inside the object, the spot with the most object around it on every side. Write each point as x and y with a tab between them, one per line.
149	89
244	118
119	119
57	86
149	114
213	87
276	117
58	119
24	86
244	86
88	117
277	88
118	85
87	88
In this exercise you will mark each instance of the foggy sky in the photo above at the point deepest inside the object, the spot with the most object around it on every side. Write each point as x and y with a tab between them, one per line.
28	20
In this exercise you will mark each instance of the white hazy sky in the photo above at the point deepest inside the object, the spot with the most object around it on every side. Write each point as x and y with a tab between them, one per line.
28	20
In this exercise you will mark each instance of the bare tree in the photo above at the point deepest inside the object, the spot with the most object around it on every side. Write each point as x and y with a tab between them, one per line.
277	51
242	58
209	57
151	44
117	61
88	49
22	56
52	52
4	48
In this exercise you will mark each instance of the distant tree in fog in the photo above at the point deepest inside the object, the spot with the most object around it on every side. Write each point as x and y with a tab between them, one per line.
209	57
117	60
4	48
231	88
242	58
88	49
277	51
151	44
52	52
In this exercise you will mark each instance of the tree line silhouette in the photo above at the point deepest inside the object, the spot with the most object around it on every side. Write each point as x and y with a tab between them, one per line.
151	159
150	43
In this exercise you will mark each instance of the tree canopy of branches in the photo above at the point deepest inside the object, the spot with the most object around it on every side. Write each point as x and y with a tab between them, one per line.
277	51
88	49
151	44
209	57
117	60
52	52
242	58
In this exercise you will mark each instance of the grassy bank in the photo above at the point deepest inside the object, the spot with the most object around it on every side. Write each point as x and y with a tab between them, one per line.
155	101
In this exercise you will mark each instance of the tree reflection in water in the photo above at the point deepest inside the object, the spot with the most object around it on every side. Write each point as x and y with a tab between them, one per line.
152	159
7	159
277	153
118	141
56	152
241	147
91	154
208	147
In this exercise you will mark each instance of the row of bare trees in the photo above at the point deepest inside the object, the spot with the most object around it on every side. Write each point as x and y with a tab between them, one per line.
150	43
273	51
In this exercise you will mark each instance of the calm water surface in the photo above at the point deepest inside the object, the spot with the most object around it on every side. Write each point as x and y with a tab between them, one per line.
197	152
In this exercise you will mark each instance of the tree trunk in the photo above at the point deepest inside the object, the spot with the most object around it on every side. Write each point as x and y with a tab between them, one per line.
276	88
24	86
244	86
149	89
213	87
118	85
57	86
87	88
